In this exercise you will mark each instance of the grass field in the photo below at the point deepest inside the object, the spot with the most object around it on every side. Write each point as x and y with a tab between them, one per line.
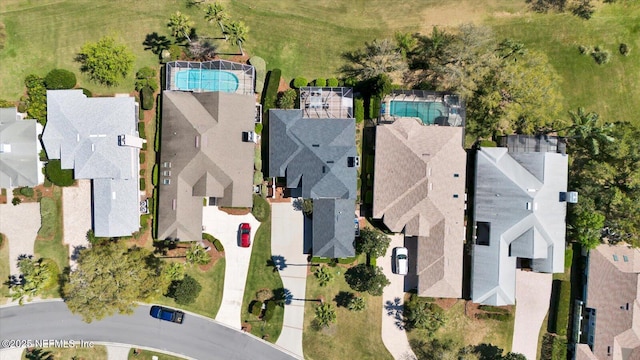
261	276
355	335
97	352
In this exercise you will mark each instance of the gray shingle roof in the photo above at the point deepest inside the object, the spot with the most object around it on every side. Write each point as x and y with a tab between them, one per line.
415	185
613	284
517	194
333	228
313	154
204	155
83	133
18	150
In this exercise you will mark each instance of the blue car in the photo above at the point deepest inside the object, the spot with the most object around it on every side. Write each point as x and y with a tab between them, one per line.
163	313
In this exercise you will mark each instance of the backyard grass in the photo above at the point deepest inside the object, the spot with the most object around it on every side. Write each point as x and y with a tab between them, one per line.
261	275
208	302
4	270
148	355
355	335
97	352
466	331
611	89
49	33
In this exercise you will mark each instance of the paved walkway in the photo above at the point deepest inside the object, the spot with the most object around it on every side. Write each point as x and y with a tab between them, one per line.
76	217
533	292
224	227
20	225
115	352
287	239
11	354
394	336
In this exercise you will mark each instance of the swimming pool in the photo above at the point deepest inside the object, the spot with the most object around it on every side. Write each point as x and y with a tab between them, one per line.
207	80
428	112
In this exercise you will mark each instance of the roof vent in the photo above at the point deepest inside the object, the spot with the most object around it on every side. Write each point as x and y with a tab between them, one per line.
316	145
329	161
5	148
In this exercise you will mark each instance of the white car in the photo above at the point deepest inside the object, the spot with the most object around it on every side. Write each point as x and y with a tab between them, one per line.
401	256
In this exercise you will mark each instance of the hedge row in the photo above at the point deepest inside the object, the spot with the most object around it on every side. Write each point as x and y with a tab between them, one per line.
260	66
358	110
374	107
36	98
494	316
146	97
141	131
143	185
154	175
216	243
270	97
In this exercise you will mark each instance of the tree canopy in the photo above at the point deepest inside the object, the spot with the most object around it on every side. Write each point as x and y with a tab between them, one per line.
377	57
180	25
365	278
372	242
106	61
110	278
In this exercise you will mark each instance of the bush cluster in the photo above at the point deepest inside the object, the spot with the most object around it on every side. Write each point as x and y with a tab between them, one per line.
184	291
321	82
287	99
256	307
601	56
58	79
36	100
268	312
260	66
624	49
271	91
146	97
332	82
147	76
26	191
300	82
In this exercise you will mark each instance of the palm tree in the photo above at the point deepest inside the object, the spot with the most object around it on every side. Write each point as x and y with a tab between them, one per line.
197	254
215	13
357	303
237	32
323	275
376	58
38	354
325	315
587	131
180	26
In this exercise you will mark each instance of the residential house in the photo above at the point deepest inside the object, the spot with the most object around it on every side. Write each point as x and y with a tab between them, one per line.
611	318
318	158
19	146
98	139
419	189
519	214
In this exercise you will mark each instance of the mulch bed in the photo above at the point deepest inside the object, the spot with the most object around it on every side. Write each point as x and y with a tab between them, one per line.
446	304
180	252
235	211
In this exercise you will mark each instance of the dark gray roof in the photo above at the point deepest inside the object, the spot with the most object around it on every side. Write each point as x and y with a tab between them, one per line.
313	154
203	154
18	150
333	228
84	134
517	199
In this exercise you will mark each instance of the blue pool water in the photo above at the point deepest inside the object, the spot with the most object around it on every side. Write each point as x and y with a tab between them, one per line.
207	80
428	112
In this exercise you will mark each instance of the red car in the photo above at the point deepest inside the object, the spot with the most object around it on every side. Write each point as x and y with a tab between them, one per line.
245	235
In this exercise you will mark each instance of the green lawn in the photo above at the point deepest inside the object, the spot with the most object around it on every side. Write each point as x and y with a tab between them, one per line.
355	335
261	276
4	270
148	355
611	89
466	331
208	302
97	352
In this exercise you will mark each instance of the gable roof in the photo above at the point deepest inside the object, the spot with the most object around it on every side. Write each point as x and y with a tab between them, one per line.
517	199
333	228
613	284
314	154
85	134
203	155
414	187
18	150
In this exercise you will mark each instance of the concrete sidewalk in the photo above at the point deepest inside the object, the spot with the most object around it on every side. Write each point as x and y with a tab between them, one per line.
225	227
20	225
394	336
533	292
287	240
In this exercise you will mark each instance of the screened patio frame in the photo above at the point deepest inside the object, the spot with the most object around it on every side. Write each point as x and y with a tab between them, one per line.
245	74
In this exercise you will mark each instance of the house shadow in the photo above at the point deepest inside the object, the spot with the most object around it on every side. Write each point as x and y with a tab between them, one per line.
307	245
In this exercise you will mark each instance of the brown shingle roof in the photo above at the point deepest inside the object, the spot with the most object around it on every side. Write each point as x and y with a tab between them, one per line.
414	189
613	283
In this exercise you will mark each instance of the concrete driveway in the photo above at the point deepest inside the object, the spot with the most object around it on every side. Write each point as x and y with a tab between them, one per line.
224	227
287	239
394	336
533	292
76	217
20	225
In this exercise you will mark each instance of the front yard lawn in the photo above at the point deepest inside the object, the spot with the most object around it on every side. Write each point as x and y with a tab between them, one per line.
354	335
4	269
149	355
97	352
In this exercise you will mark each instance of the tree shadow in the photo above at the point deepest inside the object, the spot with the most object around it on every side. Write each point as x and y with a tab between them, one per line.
396	309
75	254
282	296
156	43
343	298
487	351
297	203
163	246
278	262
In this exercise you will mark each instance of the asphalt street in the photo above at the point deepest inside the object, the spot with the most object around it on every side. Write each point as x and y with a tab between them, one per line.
196	337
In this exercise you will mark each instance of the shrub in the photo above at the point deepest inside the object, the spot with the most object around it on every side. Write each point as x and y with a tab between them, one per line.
584	9
146	76
36	101
146	97
216	243
287	99
268	312
585	49
142	157
106	61
358	110
487	143
257	163
357	303
87	92
257	177
321	82
256	307
261	209
374	107
141	130
142	184
185	291
624	49
332	82
58	79
264	294
26	191
154	175
16	201
175	52
258	128
320	260
300	82
271	91
260	66
57	175
600	55
347	260
493	316
323	275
